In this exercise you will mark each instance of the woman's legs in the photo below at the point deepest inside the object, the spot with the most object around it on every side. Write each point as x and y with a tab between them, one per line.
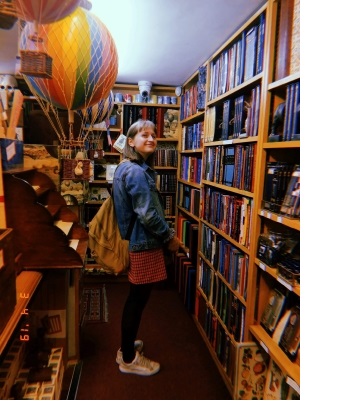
131	317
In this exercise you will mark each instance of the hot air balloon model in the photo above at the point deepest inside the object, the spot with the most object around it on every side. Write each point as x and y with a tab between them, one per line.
84	66
40	12
94	115
44	11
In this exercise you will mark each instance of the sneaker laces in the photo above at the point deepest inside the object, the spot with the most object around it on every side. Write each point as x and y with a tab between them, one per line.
143	361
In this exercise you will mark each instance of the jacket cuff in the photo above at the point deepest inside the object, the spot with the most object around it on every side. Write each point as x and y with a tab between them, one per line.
171	235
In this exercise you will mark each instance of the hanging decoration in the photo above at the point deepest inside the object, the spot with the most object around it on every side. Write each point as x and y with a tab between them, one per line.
84	66
44	11
98	112
94	115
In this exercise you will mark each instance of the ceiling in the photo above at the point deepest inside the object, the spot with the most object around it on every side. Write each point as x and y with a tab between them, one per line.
157	40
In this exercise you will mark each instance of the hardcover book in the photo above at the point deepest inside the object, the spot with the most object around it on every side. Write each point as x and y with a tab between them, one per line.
251	372
290	339
250	52
273	310
291	202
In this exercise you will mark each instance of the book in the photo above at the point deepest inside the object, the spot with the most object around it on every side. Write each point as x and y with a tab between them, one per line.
190	282
295	39
249	378
284	39
275	184
260	46
275	382
251	38
289	105
229	165
273	310
291	203
226	128
295	127
290	338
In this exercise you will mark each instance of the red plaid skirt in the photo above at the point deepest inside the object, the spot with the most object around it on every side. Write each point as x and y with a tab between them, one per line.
147	267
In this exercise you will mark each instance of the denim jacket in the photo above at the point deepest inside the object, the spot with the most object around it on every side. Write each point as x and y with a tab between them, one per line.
134	190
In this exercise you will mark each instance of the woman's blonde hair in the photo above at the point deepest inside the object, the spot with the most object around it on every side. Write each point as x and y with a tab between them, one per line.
129	152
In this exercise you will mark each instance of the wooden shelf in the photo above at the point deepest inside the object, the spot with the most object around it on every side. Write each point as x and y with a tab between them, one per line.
274	273
279	218
26	284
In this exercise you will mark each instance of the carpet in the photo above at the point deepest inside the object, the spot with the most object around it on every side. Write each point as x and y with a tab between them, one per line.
94	304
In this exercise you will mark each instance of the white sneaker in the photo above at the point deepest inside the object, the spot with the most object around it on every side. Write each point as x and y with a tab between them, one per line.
141	365
138	346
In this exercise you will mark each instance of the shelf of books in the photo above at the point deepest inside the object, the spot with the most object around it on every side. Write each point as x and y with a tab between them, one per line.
238	185
275	325
188	198
224	294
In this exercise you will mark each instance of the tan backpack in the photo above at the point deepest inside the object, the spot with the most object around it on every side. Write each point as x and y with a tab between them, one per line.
107	247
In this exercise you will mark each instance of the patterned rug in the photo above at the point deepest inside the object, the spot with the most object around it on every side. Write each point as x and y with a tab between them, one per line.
94	304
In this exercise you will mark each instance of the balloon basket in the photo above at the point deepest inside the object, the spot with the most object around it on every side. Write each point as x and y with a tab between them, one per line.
36	63
8	15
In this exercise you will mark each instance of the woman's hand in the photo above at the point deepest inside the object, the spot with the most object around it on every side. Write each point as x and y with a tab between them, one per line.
174	244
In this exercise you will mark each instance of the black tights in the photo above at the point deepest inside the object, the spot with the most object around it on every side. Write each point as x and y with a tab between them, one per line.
131	317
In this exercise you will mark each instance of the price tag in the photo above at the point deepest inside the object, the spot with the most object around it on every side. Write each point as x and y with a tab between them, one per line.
263	345
280	219
293	384
262	266
284	283
262	212
269	215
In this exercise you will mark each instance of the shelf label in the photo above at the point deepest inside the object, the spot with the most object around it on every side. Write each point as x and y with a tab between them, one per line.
263	345
280	219
262	212
269	215
262	266
293	384
284	283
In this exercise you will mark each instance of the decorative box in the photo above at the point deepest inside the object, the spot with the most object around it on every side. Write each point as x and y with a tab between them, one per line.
11	153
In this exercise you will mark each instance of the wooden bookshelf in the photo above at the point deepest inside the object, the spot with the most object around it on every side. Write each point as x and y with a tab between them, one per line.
259	86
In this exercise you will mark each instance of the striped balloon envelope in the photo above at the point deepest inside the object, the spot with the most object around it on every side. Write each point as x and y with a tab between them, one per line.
44	11
84	60
99	112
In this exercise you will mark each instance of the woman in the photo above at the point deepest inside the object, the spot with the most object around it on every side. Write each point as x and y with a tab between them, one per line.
137	200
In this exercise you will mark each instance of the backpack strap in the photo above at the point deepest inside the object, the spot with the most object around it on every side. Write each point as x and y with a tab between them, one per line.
134	215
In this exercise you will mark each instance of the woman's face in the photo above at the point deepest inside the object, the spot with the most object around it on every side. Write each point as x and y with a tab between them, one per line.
144	142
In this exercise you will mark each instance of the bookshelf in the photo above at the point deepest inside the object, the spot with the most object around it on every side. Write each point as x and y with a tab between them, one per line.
166	118
188	197
244	90
279	143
